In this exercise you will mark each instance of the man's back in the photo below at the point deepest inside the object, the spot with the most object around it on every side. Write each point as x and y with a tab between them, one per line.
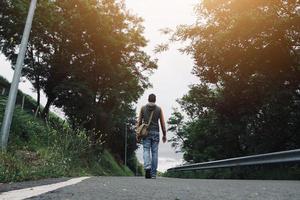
146	113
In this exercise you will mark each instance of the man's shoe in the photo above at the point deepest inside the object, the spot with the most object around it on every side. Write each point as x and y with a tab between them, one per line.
148	173
153	177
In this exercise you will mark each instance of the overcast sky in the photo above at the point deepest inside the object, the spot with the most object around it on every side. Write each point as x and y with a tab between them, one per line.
173	76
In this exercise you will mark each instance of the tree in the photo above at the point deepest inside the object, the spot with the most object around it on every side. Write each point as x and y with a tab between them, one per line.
86	55
247	57
13	15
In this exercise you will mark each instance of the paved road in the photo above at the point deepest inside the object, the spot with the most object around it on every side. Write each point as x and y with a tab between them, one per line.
166	188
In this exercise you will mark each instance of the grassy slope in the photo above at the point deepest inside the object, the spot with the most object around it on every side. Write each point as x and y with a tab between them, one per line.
37	150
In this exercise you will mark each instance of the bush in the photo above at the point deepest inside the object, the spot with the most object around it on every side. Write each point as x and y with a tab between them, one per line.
38	150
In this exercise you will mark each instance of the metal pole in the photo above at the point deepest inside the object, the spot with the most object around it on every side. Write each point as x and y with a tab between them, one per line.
136	167
125	160
23	102
37	110
10	105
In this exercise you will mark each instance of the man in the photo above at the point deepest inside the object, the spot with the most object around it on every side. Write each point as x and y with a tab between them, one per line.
150	143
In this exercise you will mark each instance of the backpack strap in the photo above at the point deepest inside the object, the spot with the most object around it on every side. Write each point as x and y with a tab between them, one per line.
150	119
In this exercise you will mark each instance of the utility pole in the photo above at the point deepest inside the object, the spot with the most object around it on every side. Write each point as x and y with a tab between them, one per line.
125	160
10	105
136	167
23	101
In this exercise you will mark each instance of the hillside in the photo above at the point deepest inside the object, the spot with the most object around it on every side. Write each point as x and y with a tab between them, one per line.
40	150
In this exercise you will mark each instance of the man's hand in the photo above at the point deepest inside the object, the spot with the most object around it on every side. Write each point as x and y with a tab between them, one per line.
164	139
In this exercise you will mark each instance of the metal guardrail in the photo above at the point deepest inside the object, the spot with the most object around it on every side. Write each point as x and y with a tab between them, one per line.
261	159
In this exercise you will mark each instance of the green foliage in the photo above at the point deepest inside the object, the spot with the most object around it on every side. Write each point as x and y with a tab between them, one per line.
134	165
87	57
247	59
37	150
29	103
112	168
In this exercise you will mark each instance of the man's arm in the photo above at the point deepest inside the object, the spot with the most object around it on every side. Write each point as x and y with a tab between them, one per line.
163	126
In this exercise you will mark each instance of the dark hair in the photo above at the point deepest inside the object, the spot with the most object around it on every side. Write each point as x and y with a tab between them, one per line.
152	98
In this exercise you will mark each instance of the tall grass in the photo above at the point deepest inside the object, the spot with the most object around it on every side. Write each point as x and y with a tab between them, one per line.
38	150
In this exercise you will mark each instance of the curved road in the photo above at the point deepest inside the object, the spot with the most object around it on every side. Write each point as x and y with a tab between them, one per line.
156	189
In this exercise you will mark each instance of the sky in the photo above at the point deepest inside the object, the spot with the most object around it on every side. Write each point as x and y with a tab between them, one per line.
172	78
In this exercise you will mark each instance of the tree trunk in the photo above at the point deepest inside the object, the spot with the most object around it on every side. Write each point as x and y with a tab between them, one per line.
47	107
38	102
38	97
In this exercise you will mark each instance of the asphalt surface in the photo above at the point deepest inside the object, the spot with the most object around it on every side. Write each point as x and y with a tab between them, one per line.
131	188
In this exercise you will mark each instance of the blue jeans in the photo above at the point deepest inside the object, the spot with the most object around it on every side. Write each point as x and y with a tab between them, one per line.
150	143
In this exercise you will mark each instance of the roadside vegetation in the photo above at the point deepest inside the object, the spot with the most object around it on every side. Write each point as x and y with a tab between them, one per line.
247	100
41	150
88	58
